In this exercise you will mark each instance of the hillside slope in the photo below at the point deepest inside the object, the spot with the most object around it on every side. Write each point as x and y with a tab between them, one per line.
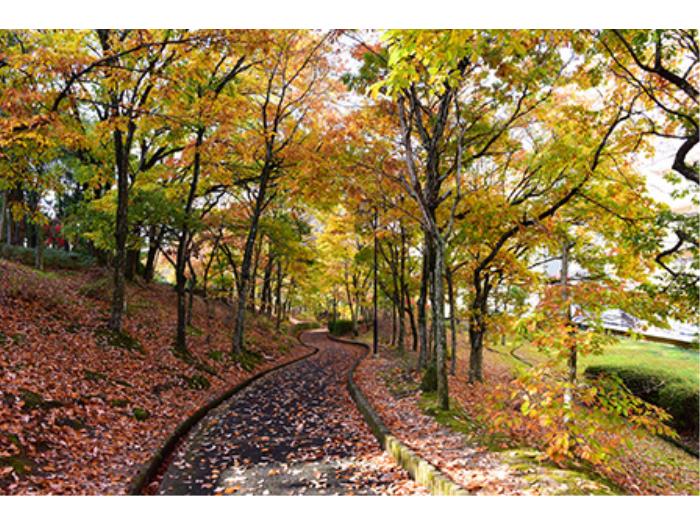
81	410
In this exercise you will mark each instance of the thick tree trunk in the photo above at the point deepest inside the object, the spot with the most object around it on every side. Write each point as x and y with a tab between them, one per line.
476	341
477	329
121	155
132	263
438	300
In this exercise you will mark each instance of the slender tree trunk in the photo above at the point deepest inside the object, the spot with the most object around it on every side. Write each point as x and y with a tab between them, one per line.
3	212
205	285
254	276
571	362
412	320
191	288
266	305
422	306
278	296
453	322
394	324
400	293
39	250
353	315
238	343
155	236
183	245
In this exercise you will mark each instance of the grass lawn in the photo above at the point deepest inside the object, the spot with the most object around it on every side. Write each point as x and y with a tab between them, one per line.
681	362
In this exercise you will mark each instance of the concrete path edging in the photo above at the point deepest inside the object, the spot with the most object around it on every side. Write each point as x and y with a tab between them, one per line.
419	469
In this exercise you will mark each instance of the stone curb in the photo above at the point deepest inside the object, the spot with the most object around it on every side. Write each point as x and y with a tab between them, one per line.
420	469
151	467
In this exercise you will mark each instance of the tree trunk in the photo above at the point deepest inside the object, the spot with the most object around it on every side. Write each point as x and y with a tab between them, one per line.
3	212
353	315
155	236
182	248
278	296
422	306
438	300
477	328
132	262
238	343
266	305
571	364
121	155
191	288
254	276
453	322
400	293
39	250
412	320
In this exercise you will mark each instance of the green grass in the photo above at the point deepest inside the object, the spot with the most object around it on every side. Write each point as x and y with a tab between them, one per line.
683	363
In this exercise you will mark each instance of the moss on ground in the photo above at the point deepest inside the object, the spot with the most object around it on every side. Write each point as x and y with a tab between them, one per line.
140	414
248	359
119	339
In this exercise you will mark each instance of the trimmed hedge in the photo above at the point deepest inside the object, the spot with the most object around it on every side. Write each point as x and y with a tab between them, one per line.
340	327
53	258
296	329
659	388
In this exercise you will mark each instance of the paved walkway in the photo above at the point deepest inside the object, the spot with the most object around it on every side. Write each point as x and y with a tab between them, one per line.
295	431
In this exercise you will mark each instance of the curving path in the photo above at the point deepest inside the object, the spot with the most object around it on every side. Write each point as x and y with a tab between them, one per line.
295	431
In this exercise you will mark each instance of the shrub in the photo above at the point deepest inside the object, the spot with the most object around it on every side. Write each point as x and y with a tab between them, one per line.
428	383
298	328
59	259
659	388
340	327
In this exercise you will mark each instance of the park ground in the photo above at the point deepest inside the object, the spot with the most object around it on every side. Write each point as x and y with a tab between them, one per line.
82	412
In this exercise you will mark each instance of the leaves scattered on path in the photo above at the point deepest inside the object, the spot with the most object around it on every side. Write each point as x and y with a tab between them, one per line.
295	431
